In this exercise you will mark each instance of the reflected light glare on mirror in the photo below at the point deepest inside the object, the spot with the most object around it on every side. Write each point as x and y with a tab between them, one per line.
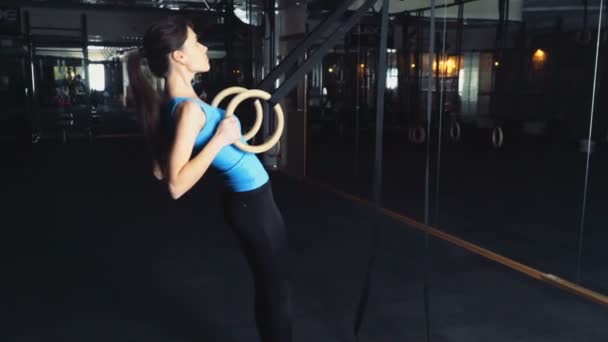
447	66
539	58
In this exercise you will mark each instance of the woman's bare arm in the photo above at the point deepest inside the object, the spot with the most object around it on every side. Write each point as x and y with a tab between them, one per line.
184	172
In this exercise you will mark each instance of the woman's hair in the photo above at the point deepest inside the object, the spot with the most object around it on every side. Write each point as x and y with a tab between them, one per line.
159	41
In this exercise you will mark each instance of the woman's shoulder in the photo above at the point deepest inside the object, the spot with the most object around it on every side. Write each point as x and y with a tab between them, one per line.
204	105
188	109
195	105
177	104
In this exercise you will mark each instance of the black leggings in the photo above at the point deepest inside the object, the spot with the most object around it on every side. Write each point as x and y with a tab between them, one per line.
258	225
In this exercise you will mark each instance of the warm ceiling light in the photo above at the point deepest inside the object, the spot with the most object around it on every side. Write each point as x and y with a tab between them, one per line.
539	56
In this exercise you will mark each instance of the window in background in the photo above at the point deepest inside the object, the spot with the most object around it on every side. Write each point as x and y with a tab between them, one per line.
97	73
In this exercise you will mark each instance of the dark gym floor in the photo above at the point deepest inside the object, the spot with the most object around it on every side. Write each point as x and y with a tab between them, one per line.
97	252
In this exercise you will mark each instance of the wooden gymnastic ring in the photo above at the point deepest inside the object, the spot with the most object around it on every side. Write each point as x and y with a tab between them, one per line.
279	115
497	137
455	131
418	134
258	109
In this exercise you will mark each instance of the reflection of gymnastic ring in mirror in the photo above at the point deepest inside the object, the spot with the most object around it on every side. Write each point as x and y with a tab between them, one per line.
279	116
497	137
258	109
455	131
583	37
410	131
418	135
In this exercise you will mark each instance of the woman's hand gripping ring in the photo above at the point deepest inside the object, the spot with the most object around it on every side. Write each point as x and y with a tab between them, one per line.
279	123
258	109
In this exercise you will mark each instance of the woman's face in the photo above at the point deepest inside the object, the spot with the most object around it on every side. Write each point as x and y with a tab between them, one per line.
194	54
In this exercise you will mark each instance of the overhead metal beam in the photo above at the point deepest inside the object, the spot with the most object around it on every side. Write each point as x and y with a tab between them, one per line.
268	83
292	58
435	7
102	7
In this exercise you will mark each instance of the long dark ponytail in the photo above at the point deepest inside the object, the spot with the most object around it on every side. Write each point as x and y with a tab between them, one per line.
159	41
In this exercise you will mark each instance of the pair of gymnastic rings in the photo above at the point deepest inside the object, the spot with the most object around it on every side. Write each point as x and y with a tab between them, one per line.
243	94
417	134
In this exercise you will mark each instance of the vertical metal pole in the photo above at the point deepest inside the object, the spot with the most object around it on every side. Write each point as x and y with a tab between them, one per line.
440	76
437	75
404	78
459	35
85	59
31	55
521	65
506	31
31	94
357	101
375	230
429	109
427	177
305	113
269	158
250	82
273	52
553	106
579	257
419	68
381	88
498	57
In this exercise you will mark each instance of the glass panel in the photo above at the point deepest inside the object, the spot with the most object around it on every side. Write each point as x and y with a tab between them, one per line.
341	114
511	180
405	124
594	234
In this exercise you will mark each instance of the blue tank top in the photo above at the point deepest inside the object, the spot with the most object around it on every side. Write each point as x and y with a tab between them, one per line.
243	171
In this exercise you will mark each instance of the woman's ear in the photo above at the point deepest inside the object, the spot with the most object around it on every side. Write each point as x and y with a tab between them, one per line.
178	56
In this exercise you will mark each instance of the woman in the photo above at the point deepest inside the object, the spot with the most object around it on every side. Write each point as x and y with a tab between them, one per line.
187	136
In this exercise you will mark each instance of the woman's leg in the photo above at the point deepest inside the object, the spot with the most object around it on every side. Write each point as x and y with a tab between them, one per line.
261	232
